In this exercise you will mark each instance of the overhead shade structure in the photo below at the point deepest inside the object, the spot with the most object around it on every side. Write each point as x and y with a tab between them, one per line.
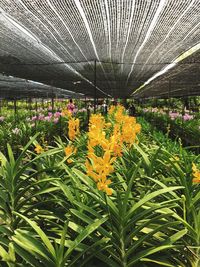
61	43
17	88
182	79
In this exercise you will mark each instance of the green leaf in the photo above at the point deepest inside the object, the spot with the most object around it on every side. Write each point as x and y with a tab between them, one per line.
148	252
4	254
162	263
84	234
40	233
148	198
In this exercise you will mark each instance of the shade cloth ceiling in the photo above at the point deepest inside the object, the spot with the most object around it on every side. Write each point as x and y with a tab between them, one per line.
56	42
181	80
17	88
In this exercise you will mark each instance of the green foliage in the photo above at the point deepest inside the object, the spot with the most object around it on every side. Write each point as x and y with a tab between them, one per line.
52	214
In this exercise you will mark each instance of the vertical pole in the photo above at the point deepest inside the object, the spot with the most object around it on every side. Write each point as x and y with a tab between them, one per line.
169	89
85	101
30	104
36	106
15	109
95	85
15	106
52	98
52	101
183	112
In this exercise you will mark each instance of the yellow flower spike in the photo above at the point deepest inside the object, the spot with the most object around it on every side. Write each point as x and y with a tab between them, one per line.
111	110
73	128
38	149
124	131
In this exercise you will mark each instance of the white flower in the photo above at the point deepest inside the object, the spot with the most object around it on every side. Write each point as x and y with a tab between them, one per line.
16	131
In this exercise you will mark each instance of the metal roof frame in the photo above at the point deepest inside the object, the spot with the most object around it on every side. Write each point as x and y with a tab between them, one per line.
57	42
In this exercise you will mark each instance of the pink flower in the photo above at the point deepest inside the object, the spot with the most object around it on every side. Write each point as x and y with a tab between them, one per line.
47	118
187	117
34	118
56	120
41	117
57	114
174	115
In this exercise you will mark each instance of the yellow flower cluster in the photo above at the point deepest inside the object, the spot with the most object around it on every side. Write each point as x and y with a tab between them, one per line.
129	130
119	113
99	167
105	143
126	126
111	110
196	174
69	150
73	128
96	132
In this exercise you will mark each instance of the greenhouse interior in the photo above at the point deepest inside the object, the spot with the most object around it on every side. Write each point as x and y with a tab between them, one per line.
99	133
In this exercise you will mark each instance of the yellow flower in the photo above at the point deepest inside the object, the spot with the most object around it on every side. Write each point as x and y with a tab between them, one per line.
90	171
108	125
69	161
73	128
137	128
66	113
103	186
38	149
111	110
196	174
69	150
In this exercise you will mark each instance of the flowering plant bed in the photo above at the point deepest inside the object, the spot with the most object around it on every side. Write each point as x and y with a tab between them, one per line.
186	127
106	197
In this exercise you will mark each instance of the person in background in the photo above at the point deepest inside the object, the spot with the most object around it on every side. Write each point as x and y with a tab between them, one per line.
71	106
132	110
104	108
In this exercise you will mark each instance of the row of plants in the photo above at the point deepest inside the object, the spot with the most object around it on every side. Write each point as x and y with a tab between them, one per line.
16	129
111	196
186	127
188	103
